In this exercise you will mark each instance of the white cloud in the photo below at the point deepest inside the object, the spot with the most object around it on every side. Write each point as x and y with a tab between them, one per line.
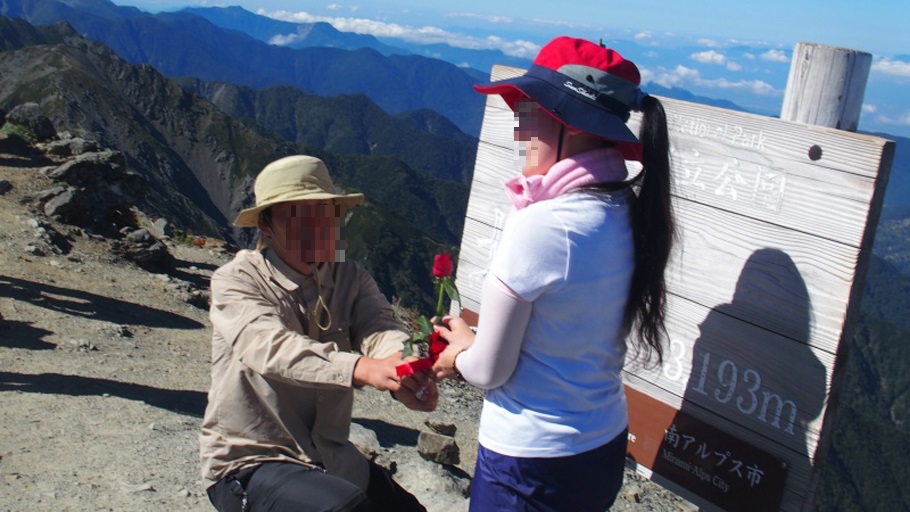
685	72
774	56
709	57
682	76
869	109
646	75
749	56
491	19
710	43
758	87
670	78
424	35
564	24
900	120
732	66
887	66
517	48
333	7
281	40
643	35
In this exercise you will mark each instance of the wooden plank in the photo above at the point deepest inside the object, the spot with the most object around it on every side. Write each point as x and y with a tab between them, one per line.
716	258
495	165
777	184
713	164
744	373
470	282
832	204
843	151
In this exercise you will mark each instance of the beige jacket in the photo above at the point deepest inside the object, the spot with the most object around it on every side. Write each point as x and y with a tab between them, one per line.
281	384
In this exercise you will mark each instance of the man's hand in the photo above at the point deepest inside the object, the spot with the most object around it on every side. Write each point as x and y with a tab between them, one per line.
418	392
378	373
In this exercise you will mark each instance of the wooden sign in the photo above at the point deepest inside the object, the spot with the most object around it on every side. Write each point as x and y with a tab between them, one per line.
776	222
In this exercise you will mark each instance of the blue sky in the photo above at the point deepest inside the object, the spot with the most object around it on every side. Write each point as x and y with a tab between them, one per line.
738	51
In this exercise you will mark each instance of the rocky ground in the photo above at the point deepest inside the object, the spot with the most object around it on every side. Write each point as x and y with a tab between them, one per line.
104	370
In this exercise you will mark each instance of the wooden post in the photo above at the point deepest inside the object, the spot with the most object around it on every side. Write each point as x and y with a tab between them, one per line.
826	86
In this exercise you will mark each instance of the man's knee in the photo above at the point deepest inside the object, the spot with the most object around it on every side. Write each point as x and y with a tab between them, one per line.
287	487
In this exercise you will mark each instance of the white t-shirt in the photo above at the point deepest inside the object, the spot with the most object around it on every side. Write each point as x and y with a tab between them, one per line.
572	257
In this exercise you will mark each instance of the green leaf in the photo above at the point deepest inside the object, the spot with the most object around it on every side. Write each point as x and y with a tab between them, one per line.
452	292
424	325
407	350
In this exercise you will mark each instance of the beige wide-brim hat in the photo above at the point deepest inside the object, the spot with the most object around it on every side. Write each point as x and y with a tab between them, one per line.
290	179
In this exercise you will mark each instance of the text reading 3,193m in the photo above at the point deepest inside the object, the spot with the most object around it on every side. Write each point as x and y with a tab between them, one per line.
744	388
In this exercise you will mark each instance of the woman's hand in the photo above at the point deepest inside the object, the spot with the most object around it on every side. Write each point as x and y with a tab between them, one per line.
460	337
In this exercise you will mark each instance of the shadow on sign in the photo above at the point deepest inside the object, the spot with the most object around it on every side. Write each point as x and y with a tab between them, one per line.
741	378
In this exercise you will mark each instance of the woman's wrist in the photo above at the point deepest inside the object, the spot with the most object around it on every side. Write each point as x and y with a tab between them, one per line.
458	374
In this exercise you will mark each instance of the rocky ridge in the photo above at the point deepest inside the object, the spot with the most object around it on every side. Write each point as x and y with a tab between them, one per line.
104	352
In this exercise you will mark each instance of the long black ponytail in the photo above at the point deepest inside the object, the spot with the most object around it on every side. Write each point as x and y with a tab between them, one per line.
654	232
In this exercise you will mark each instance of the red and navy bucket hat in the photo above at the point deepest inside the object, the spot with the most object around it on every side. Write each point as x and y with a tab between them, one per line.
584	86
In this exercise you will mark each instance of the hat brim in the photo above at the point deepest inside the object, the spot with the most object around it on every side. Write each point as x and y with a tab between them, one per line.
249	218
568	109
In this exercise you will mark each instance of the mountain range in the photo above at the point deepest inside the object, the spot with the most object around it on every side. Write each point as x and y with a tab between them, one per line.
183	44
198	138
476	63
199	162
230	45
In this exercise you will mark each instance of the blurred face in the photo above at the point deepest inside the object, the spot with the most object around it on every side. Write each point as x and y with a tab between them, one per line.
538	134
305	232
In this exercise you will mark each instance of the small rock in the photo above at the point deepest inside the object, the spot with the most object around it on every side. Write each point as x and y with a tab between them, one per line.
29	115
117	331
139	236
365	440
34	250
437	487
5	186
444	428
144	487
438	448
631	492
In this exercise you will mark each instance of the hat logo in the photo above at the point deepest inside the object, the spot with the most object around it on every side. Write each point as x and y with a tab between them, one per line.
584	91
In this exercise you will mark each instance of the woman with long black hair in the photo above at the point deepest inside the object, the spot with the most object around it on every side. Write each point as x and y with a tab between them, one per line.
579	271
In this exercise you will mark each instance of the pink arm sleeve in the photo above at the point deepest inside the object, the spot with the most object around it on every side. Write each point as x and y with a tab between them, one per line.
504	318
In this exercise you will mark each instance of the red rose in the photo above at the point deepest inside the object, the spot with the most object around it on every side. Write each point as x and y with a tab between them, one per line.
442	265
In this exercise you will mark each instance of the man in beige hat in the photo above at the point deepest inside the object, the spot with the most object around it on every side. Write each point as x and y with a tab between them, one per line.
294	329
